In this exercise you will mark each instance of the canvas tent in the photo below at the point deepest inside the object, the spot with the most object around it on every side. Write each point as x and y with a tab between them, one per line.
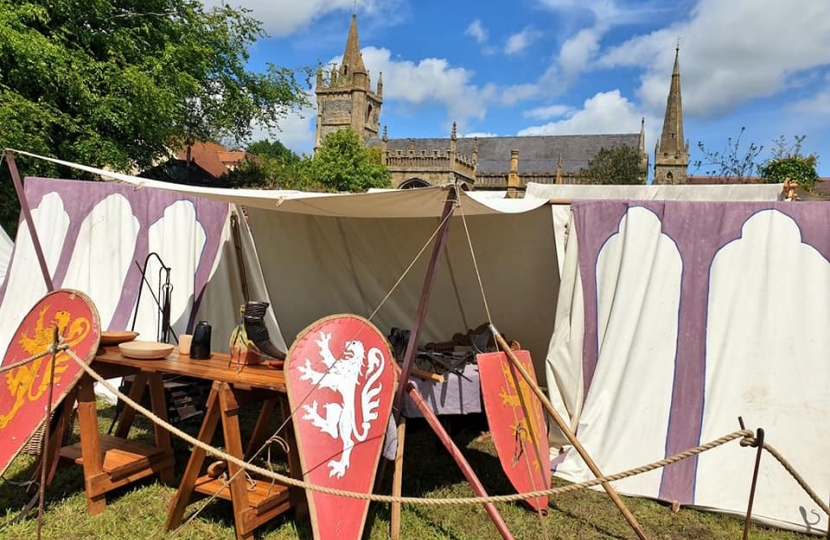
674	319
6	246
313	255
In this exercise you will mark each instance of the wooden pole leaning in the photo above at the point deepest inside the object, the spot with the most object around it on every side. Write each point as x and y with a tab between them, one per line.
457	456
27	215
560	422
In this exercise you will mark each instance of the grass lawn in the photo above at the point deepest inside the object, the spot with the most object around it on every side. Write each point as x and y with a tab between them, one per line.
139	511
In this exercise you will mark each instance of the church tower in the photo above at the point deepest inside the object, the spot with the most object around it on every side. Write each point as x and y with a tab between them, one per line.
344	96
671	154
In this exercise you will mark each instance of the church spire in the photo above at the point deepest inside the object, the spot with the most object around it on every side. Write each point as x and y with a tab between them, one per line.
671	155
352	59
672	140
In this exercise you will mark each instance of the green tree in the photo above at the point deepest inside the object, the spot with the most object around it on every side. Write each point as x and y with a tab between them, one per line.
615	165
274	150
788	161
272	166
343	163
118	83
733	161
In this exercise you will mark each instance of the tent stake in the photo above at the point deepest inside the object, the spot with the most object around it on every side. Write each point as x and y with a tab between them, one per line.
27	215
569	434
759	444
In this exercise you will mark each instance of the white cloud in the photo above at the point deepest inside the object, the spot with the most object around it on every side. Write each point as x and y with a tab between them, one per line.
477	31
816	105
282	17
548	112
431	81
480	135
608	12
519	92
519	41
605	112
578	51
731	53
296	131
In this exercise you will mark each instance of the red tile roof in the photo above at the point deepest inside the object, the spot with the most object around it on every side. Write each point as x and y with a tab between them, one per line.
213	157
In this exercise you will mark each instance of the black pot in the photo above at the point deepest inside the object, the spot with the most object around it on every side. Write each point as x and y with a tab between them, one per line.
200	344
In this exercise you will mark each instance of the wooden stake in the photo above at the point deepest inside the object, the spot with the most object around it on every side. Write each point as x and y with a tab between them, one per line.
397	483
569	434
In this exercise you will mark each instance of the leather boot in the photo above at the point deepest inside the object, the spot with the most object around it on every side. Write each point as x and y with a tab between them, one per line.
257	331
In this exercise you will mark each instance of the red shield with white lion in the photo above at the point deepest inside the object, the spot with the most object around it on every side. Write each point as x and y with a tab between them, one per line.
341	383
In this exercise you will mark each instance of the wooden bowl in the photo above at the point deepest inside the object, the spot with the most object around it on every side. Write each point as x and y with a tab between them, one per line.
145	350
114	337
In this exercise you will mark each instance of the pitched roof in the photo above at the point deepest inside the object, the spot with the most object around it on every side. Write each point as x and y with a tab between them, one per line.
536	153
212	157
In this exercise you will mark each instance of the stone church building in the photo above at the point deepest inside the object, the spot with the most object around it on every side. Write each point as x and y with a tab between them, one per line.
346	98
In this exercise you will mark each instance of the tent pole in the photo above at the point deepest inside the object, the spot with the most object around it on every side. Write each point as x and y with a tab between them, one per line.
27	215
409	355
420	315
560	422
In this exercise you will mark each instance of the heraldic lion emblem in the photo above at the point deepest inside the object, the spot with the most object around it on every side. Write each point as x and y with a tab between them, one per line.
344	376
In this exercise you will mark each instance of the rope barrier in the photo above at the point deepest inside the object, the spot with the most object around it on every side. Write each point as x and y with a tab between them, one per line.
31	359
751	441
288	481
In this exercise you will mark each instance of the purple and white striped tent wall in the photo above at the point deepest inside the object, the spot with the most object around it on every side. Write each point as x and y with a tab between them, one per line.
675	318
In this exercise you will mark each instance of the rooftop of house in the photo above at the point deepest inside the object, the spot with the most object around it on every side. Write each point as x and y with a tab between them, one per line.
214	158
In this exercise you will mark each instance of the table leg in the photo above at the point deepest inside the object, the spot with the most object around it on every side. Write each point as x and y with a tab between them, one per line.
62	425
90	445
158	403
128	413
194	465
229	411
260	433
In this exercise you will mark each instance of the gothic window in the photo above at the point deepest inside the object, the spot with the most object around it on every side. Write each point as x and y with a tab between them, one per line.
669	176
414	183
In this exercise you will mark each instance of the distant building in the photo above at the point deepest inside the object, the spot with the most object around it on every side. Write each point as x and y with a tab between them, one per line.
345	99
198	164
671	153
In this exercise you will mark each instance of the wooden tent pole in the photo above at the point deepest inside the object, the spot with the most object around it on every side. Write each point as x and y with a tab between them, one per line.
409	355
27	215
426	291
569	434
456	454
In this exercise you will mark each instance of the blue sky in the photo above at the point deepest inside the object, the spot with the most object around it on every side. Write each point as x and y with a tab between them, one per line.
571	66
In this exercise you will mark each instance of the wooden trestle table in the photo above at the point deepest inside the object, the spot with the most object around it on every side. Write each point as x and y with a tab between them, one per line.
110	462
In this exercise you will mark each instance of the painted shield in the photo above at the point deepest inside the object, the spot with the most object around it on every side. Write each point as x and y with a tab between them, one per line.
24	390
517	423
341	384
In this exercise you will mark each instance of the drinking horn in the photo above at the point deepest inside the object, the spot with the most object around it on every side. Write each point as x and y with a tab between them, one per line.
257	331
